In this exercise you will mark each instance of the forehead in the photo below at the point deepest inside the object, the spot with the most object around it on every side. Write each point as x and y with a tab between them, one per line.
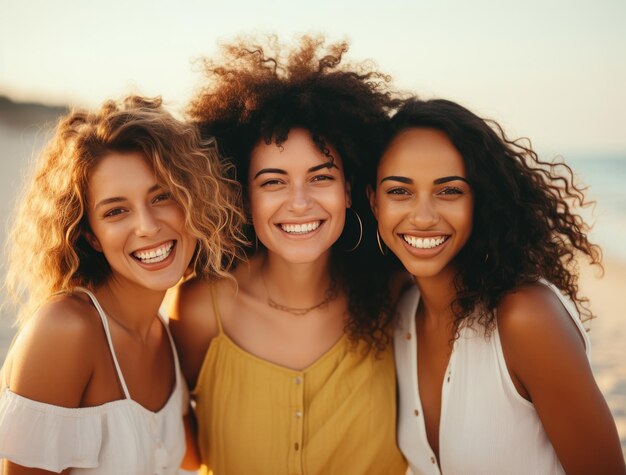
421	151
118	171
298	151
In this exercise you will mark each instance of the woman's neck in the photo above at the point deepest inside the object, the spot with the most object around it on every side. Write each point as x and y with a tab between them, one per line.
436	296
132	307
296	285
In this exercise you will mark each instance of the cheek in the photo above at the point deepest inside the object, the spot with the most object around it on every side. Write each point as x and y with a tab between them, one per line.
338	200
389	215
178	217
335	202
258	207
463	217
261	208
107	233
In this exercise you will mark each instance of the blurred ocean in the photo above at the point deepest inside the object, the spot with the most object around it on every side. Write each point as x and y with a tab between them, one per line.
25	127
606	179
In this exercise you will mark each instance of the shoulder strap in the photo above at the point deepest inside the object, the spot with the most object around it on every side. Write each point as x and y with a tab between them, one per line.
107	331
216	310
165	323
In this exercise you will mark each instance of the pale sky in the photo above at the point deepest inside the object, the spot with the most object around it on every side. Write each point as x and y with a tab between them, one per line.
552	70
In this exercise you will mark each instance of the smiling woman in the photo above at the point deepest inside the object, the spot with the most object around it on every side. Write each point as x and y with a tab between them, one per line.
491	356
122	204
291	367
425	202
314	189
136	224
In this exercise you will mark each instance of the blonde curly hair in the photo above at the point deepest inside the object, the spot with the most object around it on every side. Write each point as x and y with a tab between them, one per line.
47	248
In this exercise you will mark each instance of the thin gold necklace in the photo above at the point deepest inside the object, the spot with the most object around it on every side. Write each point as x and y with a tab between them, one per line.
331	294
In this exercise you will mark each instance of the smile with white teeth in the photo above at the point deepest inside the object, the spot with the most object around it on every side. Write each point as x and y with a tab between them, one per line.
155	255
424	243
303	228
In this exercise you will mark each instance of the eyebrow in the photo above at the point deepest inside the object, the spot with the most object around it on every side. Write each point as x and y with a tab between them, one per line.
446	179
328	164
438	181
270	170
119	199
280	171
401	179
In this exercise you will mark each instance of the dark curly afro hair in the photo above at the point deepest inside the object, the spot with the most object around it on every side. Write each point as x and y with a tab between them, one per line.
260	91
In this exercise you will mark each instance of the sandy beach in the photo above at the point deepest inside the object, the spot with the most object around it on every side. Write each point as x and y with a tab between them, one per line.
608	335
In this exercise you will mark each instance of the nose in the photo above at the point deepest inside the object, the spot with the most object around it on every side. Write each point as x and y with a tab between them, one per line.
299	198
424	214
147	223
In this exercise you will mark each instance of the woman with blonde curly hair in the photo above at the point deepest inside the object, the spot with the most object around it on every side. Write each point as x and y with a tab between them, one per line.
290	364
122	203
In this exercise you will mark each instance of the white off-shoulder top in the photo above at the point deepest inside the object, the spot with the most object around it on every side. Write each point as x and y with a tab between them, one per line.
118	437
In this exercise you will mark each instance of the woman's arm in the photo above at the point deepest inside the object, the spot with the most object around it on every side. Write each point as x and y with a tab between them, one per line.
193	325
546	358
191	460
51	360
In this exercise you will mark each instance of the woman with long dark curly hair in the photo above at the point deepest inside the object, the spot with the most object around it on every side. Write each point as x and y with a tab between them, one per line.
491	355
290	361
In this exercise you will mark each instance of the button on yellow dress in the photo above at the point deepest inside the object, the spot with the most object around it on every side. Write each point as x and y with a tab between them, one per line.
338	416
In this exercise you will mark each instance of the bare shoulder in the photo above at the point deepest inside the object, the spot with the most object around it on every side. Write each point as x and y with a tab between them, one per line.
539	339
545	356
534	312
193	319
194	303
53	356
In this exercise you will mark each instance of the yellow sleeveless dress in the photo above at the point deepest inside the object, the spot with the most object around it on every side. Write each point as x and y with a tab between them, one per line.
338	416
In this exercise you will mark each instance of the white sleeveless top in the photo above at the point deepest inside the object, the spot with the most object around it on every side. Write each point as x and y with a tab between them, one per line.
486	427
118	437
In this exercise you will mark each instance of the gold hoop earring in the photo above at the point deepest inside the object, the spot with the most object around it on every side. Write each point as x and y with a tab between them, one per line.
360	231
378	240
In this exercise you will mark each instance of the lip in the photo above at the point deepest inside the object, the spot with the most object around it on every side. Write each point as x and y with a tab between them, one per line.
157	265
425	253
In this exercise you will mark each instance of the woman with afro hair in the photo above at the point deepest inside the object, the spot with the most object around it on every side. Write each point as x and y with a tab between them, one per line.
290	362
491	355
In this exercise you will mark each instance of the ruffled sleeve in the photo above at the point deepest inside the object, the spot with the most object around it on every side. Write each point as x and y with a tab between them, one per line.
40	435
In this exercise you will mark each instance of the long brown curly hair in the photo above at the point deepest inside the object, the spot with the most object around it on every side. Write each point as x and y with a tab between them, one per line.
260	90
48	251
525	226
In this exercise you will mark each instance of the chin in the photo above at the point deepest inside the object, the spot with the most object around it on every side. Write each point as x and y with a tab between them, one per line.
423	270
160	285
301	256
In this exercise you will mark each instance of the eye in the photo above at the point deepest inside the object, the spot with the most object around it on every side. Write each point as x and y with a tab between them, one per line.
114	212
397	191
451	190
162	197
271	182
322	178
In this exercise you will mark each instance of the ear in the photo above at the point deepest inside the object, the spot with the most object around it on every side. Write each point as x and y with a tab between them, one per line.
348	194
93	241
371	196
